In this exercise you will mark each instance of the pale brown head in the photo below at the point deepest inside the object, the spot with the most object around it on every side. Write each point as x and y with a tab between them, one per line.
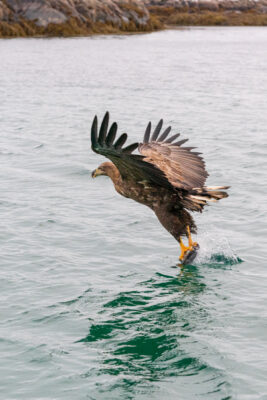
106	168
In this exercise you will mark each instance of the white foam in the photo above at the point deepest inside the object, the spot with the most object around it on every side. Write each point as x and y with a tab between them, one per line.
214	247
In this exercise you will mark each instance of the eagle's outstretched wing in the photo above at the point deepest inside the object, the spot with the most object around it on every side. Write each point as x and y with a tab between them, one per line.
184	168
161	163
131	166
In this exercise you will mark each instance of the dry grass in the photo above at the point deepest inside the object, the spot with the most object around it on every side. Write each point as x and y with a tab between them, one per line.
74	27
11	30
194	16
159	17
217	18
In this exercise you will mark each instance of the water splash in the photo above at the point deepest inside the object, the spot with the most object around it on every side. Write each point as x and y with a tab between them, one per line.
215	250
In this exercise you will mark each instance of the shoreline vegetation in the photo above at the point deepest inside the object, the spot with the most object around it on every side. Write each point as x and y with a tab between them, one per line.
56	18
169	16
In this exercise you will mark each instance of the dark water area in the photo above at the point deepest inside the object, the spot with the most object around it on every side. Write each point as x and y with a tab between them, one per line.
92	303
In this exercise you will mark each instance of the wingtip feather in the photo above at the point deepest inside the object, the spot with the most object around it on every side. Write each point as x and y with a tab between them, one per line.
147	133
172	138
181	142
157	130
129	149
103	129
164	134
94	132
111	134
120	142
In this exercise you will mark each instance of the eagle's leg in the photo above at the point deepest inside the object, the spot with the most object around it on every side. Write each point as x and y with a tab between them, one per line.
191	244
184	249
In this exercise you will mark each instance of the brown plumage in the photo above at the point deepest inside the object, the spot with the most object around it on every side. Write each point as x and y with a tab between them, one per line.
168	178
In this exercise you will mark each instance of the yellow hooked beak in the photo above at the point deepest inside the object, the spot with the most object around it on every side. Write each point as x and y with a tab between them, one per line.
96	173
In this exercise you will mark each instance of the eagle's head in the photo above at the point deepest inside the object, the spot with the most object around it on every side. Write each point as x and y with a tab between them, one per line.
106	168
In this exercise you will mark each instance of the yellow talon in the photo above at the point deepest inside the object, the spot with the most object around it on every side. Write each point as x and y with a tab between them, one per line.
191	244
184	249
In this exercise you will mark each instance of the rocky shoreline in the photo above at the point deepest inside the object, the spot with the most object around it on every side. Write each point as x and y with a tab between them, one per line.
27	18
209	12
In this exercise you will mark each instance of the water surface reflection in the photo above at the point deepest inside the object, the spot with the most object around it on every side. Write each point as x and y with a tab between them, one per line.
148	335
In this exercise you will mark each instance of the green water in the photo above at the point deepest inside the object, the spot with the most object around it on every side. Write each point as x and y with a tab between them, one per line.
92	303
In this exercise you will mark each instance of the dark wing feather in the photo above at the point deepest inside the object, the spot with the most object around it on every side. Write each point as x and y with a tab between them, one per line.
164	134
131	166
157	130
129	149
112	134
120	142
172	138
94	133
183	168
103	129
147	133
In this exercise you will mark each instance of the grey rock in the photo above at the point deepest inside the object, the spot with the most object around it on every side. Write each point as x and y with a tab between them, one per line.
44	12
5	13
117	12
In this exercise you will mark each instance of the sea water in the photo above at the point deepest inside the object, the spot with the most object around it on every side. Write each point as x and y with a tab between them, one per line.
93	305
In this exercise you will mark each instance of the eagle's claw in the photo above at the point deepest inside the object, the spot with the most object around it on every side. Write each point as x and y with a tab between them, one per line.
188	253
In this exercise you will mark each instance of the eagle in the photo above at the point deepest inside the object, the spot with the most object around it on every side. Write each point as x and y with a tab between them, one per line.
166	176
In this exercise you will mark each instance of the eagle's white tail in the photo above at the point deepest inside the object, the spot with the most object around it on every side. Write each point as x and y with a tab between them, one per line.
198	197
209	193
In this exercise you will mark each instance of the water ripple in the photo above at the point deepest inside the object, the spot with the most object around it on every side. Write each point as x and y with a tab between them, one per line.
93	305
